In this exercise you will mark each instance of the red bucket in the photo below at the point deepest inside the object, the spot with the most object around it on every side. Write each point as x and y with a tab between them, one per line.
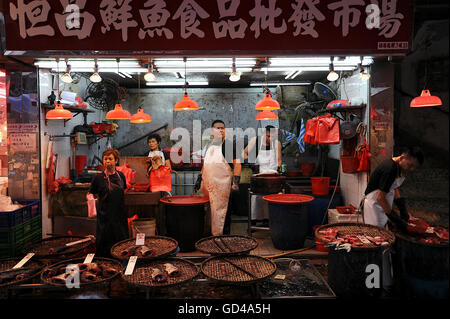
320	245
307	168
350	164
80	161
320	185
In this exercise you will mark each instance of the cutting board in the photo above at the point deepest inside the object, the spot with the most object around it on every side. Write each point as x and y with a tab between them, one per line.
137	163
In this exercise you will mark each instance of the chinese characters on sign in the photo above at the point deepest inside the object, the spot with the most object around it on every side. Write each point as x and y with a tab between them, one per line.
207	19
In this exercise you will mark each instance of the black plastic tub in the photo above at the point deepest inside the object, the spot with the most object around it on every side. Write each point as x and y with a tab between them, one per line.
185	219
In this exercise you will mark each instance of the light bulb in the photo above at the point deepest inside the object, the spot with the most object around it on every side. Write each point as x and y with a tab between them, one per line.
66	78
235	76
149	77
95	77
332	76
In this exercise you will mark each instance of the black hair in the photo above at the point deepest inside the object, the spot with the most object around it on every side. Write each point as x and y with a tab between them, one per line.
269	127
414	152
155	136
217	121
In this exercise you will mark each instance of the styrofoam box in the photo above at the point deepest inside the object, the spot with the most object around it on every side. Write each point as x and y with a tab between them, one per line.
335	217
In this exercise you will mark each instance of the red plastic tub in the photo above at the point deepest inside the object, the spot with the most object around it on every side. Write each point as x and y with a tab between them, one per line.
320	185
307	168
185	200
320	245
350	164
288	199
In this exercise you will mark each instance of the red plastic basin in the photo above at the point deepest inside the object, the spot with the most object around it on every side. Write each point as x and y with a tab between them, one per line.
288	199
186	200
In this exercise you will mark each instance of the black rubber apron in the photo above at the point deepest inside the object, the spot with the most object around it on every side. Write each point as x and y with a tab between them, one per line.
112	224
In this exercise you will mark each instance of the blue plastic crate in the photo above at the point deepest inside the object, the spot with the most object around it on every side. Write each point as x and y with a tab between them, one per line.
21	215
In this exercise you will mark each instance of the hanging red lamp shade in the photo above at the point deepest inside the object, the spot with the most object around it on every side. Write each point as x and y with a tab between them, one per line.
186	104
58	113
267	104
140	117
425	99
118	113
266	115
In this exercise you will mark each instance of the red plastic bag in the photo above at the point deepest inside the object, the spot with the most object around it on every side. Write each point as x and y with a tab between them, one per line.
364	157
310	131
160	180
128	172
92	210
328	130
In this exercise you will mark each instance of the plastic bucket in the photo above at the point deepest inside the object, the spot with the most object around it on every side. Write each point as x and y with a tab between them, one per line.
320	245
288	220
307	168
143	225
320	185
350	164
185	219
80	162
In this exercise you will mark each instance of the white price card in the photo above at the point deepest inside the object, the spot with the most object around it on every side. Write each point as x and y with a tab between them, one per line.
89	259
130	266
140	239
23	261
281	277
78	242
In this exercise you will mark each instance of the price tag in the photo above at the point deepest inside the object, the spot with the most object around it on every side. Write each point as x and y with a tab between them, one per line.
78	242
23	261
89	259
130	266
281	277
140	239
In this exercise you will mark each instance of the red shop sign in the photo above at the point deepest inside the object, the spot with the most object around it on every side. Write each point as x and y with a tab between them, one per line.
196	26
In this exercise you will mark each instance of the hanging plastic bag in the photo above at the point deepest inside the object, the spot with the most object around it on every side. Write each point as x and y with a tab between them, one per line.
364	156
328	130
92	210
310	131
160	179
128	172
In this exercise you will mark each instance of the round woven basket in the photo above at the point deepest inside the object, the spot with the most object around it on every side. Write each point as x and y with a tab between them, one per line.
98	260
41	248
9	263
162	247
141	276
237	269
226	245
358	229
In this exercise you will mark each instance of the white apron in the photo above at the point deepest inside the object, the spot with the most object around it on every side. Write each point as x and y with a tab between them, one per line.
374	215
158	153
216	185
267	161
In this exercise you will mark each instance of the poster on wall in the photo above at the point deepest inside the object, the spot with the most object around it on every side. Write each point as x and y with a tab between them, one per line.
23	142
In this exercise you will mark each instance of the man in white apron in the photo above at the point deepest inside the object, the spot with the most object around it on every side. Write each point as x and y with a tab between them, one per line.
382	192
269	161
218	178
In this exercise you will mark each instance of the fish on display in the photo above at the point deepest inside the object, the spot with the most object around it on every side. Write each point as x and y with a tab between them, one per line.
87	277
171	270
16	274
146	252
128	251
158	275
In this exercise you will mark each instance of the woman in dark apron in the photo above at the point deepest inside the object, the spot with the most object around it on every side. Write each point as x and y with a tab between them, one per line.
109	186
